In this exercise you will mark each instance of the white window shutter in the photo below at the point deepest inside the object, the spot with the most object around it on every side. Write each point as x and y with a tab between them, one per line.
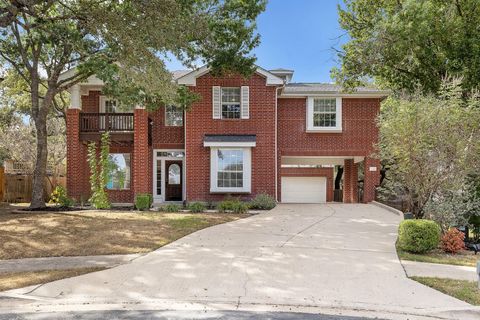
216	102
245	102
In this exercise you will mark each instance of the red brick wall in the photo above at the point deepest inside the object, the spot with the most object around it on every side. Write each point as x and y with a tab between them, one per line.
141	161
91	102
262	123
358	138
310	172
77	168
165	137
350	179
359	131
372	179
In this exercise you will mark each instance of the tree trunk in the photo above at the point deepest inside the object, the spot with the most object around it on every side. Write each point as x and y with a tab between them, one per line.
40	171
338	178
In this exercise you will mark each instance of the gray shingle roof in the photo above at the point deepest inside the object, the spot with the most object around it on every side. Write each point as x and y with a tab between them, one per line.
300	88
229	138
179	73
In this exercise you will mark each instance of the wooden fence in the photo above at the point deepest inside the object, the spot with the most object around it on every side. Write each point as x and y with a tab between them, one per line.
2	182
18	187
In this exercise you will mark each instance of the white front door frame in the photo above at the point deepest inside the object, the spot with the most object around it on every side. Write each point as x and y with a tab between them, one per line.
161	198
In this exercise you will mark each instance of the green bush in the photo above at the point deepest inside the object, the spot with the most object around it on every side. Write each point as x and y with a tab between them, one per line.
197	207
418	236
226	205
263	201
233	205
240	207
59	196
170	208
143	201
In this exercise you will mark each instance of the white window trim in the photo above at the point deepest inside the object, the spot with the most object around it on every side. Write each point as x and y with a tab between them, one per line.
161	198
247	171
222	102
172	125
103	100
312	128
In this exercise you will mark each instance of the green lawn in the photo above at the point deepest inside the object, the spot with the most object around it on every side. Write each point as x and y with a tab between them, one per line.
465	258
461	289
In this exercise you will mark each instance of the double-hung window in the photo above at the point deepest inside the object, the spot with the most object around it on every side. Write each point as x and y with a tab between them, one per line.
324	114
231	103
173	116
230	170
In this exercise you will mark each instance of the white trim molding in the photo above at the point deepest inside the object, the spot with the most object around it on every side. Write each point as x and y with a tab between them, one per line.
246	171
338	119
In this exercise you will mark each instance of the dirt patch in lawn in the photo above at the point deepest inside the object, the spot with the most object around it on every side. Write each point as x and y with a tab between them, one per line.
460	289
463	258
91	232
16	280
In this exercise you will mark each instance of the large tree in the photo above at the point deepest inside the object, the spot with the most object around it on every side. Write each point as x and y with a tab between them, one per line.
124	42
410	44
430	146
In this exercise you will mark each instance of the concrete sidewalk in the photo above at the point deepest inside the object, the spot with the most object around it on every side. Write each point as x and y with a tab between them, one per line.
62	263
424	269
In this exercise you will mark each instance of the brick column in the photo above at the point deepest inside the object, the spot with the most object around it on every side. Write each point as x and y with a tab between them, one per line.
372	179
140	152
76	156
350	177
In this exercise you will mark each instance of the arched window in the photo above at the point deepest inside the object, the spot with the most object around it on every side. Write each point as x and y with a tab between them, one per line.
174	174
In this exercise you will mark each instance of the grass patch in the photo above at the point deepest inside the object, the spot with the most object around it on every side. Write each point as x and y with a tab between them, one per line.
464	258
94	232
16	280
460	289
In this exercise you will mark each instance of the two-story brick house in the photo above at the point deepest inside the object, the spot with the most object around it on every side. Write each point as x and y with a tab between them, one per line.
242	138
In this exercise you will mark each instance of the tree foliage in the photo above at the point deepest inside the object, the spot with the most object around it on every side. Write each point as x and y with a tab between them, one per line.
410	44
429	146
124	42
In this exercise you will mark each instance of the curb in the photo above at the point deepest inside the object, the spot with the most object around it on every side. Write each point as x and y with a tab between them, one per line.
384	206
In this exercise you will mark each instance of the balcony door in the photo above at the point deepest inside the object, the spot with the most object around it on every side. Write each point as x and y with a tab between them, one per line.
168	175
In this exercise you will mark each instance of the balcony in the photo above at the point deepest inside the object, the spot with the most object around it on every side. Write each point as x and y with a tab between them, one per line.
119	125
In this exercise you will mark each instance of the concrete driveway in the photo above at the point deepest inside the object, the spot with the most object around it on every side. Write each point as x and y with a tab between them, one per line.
334	258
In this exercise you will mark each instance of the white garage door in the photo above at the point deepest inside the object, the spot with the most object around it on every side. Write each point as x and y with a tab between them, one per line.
304	189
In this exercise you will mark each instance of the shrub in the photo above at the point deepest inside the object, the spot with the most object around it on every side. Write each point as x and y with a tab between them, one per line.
143	201
263	201
171	208
418	236
59	196
453	241
239	207
233	205
197	207
226	205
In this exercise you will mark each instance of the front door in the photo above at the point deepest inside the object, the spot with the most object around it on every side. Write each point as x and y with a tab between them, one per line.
173	180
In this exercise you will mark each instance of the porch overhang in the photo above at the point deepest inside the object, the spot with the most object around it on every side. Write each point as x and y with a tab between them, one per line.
229	140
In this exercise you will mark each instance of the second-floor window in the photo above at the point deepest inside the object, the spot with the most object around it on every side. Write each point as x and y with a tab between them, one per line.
173	116
324	114
231	103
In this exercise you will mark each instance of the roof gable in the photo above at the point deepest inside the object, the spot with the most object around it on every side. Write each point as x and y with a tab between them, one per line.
190	79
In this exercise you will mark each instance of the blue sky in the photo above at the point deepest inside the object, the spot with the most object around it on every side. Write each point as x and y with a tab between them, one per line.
298	35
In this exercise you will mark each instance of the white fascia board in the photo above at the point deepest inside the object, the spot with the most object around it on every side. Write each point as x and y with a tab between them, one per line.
190	79
230	144
91	81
